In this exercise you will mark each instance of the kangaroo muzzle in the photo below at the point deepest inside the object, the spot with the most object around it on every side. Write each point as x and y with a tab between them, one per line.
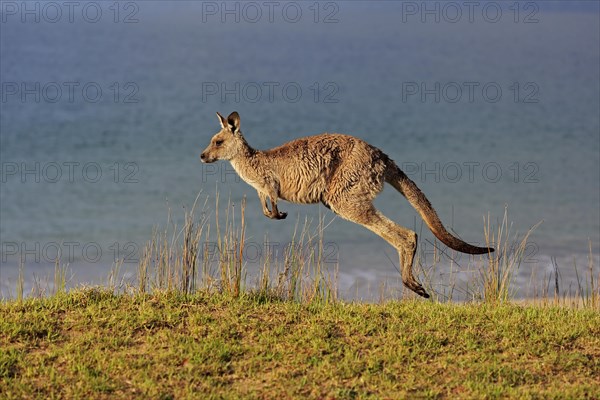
206	159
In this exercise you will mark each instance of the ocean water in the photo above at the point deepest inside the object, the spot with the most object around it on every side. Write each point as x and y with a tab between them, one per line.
106	108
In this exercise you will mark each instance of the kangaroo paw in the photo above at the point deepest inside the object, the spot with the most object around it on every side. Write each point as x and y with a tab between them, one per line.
417	288
421	292
277	215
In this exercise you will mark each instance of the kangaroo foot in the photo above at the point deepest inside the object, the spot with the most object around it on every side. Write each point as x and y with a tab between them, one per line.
417	288
277	215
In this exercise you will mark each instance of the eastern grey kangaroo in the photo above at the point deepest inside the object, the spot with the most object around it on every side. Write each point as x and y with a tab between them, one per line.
340	171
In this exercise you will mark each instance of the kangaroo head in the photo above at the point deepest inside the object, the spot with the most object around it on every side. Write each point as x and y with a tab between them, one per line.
227	143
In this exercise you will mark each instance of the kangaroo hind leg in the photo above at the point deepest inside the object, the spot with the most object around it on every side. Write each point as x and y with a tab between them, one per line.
403	239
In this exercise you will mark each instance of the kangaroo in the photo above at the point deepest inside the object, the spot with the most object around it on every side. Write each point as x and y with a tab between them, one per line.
342	172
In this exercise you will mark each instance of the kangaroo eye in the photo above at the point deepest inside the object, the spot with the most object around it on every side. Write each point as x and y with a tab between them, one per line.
218	142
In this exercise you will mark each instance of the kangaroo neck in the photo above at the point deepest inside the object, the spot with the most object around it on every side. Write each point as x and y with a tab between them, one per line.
242	162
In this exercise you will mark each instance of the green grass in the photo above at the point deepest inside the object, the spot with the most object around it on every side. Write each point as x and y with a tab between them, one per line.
192	324
94	344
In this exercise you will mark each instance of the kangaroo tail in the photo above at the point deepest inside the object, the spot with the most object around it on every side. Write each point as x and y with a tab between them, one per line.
398	179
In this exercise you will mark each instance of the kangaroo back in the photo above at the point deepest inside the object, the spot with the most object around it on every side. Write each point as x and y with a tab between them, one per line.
398	179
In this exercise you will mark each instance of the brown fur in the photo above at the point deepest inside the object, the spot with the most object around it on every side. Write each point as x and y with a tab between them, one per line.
340	171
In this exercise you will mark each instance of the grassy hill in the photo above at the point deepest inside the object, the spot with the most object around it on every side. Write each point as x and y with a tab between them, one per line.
94	344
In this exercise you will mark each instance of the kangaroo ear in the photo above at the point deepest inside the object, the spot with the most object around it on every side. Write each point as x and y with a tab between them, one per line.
234	122
222	120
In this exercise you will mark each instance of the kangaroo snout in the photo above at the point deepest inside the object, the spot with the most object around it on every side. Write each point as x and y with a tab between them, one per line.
205	159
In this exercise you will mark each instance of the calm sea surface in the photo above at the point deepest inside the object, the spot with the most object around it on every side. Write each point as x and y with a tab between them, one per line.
106	110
